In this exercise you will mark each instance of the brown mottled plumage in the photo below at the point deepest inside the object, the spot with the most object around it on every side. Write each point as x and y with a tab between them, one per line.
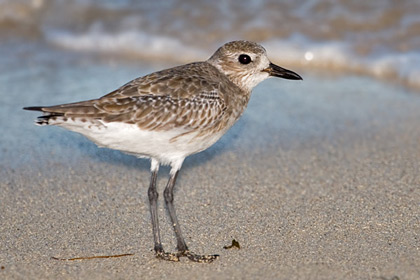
171	114
183	96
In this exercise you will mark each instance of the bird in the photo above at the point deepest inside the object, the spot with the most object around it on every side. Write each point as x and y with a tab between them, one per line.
168	115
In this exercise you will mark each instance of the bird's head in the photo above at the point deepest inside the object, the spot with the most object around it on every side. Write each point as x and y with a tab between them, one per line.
246	64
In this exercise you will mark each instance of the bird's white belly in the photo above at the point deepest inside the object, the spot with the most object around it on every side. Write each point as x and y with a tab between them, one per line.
165	146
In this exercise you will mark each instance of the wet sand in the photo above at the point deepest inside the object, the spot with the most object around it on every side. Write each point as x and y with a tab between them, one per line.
318	180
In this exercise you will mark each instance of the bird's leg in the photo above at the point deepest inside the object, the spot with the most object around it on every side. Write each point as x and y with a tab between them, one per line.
169	199
153	197
181	245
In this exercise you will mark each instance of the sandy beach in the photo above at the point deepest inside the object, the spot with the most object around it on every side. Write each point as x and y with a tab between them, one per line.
318	180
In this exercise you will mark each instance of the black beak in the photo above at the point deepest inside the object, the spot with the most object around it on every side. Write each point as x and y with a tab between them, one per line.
277	71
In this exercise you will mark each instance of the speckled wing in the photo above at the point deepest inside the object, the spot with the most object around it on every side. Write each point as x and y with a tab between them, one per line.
182	82
182	97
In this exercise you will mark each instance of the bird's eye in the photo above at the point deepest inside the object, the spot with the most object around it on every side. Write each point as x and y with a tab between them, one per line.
244	59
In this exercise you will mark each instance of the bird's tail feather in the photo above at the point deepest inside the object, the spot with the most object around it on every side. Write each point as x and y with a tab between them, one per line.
54	113
46	117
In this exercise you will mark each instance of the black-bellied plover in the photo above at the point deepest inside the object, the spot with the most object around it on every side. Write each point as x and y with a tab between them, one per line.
168	115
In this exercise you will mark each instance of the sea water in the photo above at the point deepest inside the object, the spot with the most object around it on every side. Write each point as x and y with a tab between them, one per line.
54	52
374	38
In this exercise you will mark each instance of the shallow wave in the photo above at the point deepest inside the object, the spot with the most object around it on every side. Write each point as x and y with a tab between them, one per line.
375	38
129	43
297	51
339	57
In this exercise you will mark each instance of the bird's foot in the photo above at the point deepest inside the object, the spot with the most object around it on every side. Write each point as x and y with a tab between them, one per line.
199	258
174	257
168	256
